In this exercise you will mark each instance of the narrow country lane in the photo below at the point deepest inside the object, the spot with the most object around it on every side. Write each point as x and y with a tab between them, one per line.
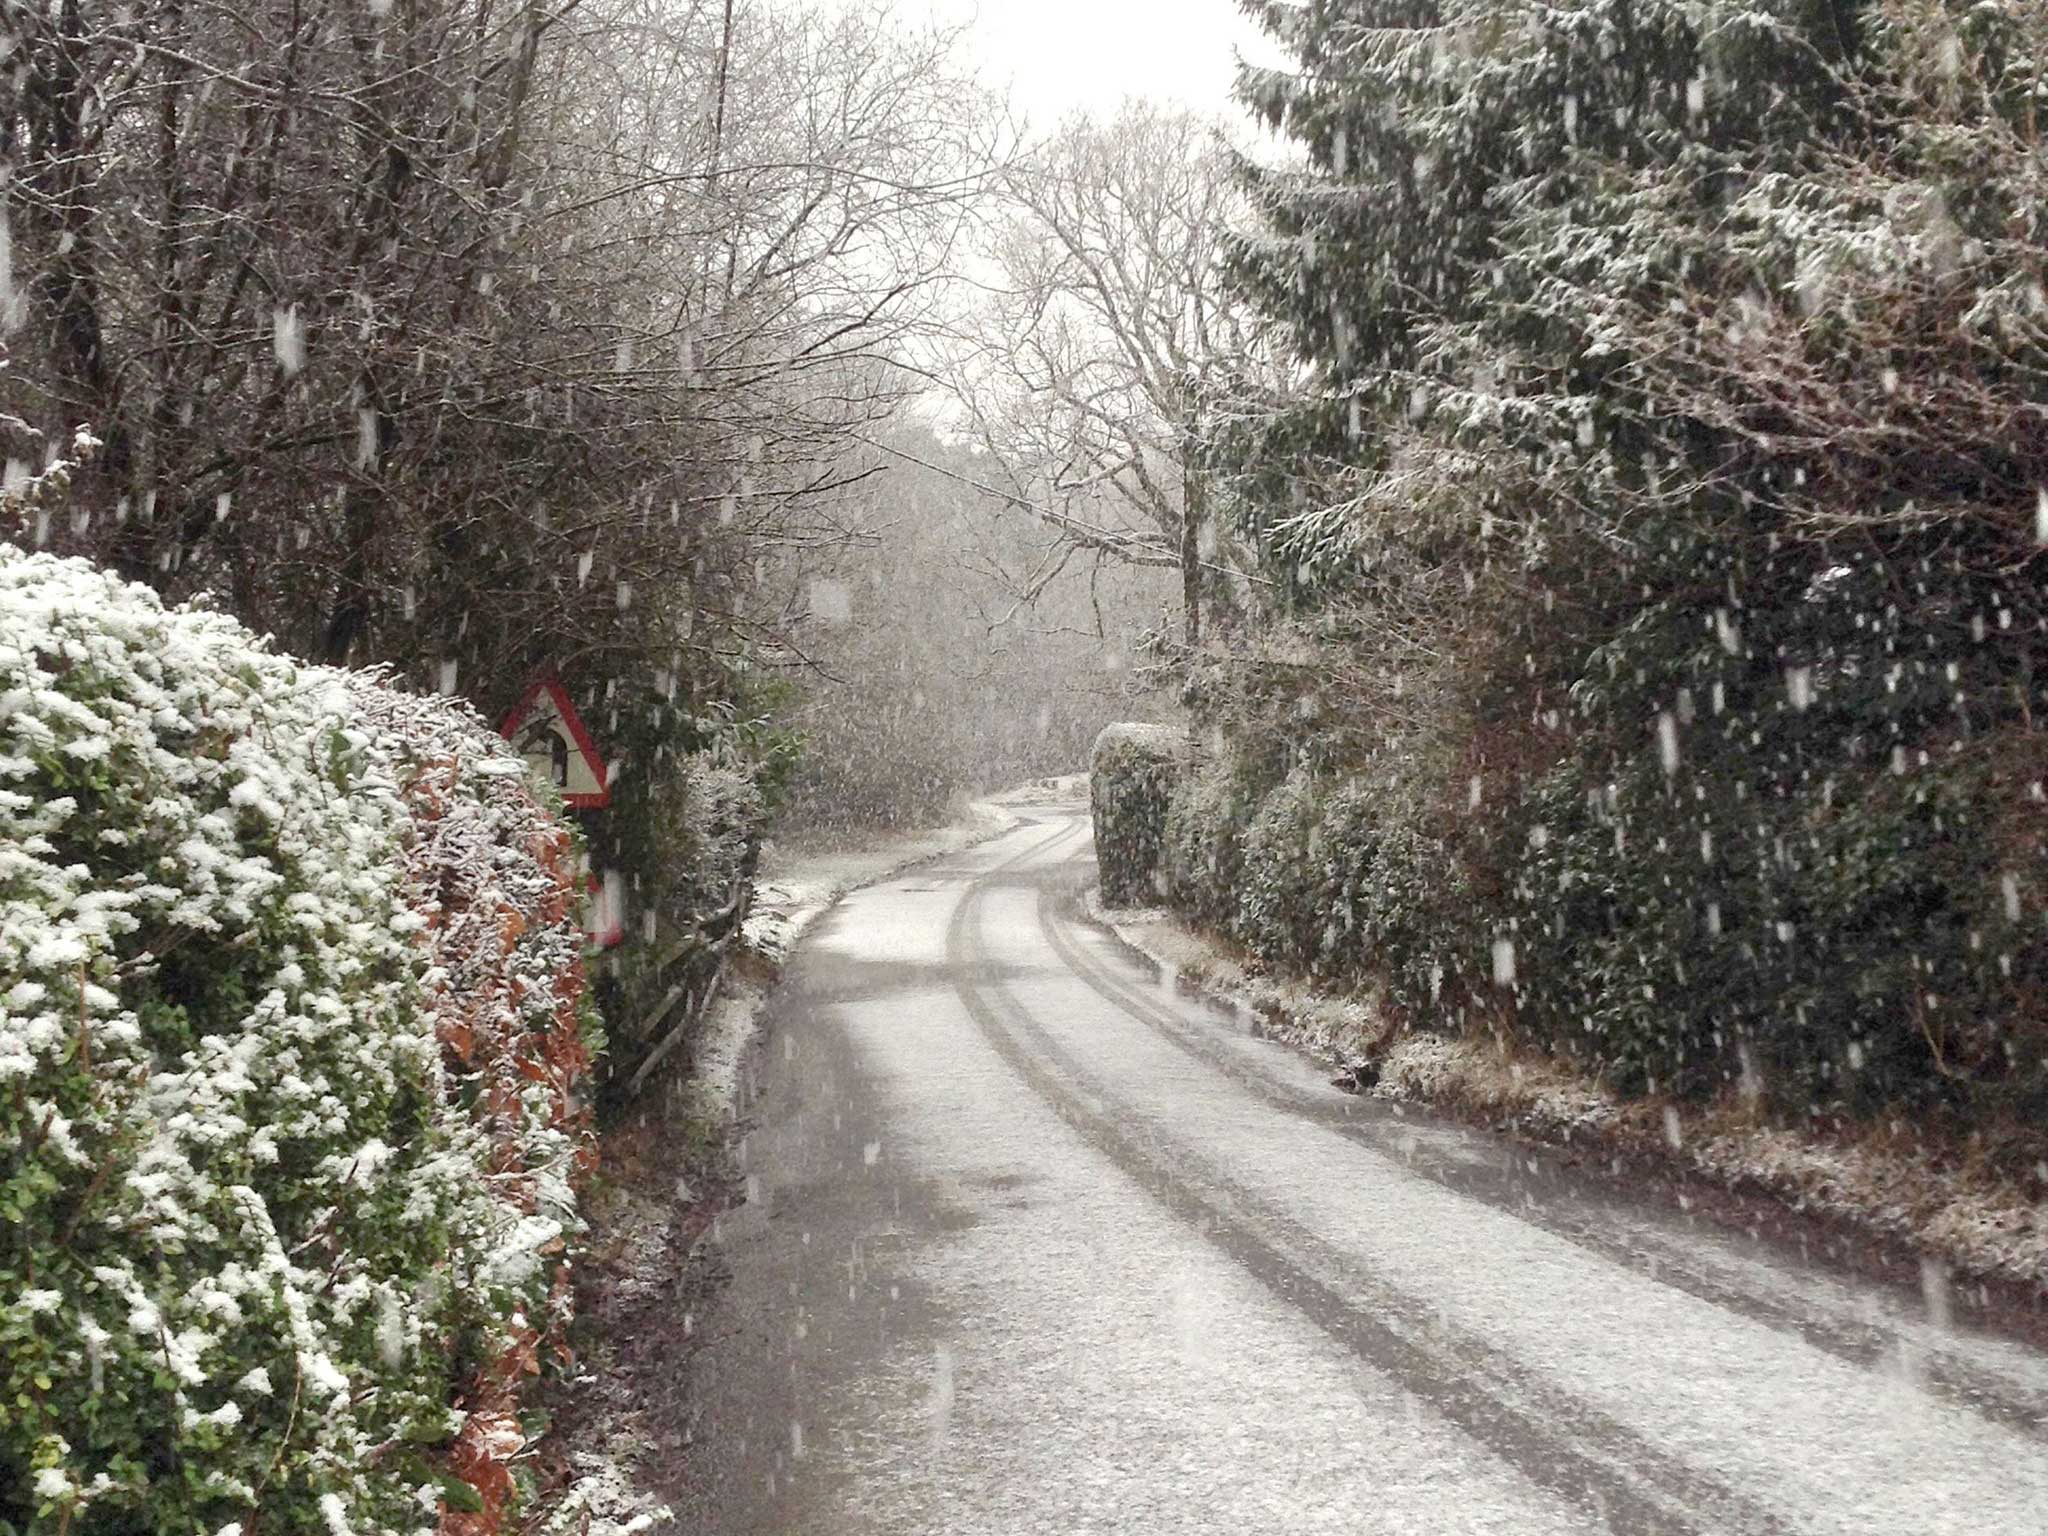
1037	1244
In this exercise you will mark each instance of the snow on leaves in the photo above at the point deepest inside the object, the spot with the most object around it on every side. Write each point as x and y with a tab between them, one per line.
290	1044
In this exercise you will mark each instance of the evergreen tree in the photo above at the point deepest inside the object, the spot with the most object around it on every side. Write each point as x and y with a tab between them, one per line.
1664	438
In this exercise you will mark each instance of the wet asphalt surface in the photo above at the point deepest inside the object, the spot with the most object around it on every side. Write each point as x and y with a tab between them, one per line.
1034	1241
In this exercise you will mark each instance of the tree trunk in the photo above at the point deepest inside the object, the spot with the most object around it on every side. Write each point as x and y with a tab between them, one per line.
1191	553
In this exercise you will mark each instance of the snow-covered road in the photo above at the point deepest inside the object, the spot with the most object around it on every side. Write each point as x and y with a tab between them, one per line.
1035	1243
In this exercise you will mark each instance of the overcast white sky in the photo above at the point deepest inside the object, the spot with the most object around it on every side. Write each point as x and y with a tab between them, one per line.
1062	54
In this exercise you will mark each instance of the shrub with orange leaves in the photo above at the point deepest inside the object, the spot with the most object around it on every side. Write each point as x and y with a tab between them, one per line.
492	871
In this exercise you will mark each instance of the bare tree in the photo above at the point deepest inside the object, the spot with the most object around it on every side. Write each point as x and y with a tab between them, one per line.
1086	372
932	675
480	339
480	335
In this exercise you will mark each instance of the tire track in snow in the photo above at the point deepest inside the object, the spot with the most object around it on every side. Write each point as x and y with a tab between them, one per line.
1067	829
1605	1467
1869	1346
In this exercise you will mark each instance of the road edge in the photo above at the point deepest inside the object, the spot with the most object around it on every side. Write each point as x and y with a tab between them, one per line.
667	1176
732	1025
1891	1216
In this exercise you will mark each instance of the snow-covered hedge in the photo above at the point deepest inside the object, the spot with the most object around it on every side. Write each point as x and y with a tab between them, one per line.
714	818
290	1040
1201	858
1132	772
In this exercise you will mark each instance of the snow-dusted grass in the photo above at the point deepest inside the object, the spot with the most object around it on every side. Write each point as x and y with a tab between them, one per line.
1336	1029
288	1055
1978	1219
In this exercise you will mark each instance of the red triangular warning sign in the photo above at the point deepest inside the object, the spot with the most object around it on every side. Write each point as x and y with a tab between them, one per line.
545	727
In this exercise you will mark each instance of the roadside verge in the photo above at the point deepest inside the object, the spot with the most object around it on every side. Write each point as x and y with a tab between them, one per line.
1883	1199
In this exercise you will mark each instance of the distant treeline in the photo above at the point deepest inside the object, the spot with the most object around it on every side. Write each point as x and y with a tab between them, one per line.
958	647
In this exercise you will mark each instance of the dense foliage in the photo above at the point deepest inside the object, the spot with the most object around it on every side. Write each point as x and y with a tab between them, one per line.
681	880
478	341
1131	774
1654	650
293	1052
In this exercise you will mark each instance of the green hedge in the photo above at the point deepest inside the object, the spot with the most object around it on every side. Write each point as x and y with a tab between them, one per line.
1817	884
1338	879
1202	848
290	1045
1132	772
1824	884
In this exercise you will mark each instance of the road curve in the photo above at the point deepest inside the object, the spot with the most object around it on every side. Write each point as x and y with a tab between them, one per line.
1034	1243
